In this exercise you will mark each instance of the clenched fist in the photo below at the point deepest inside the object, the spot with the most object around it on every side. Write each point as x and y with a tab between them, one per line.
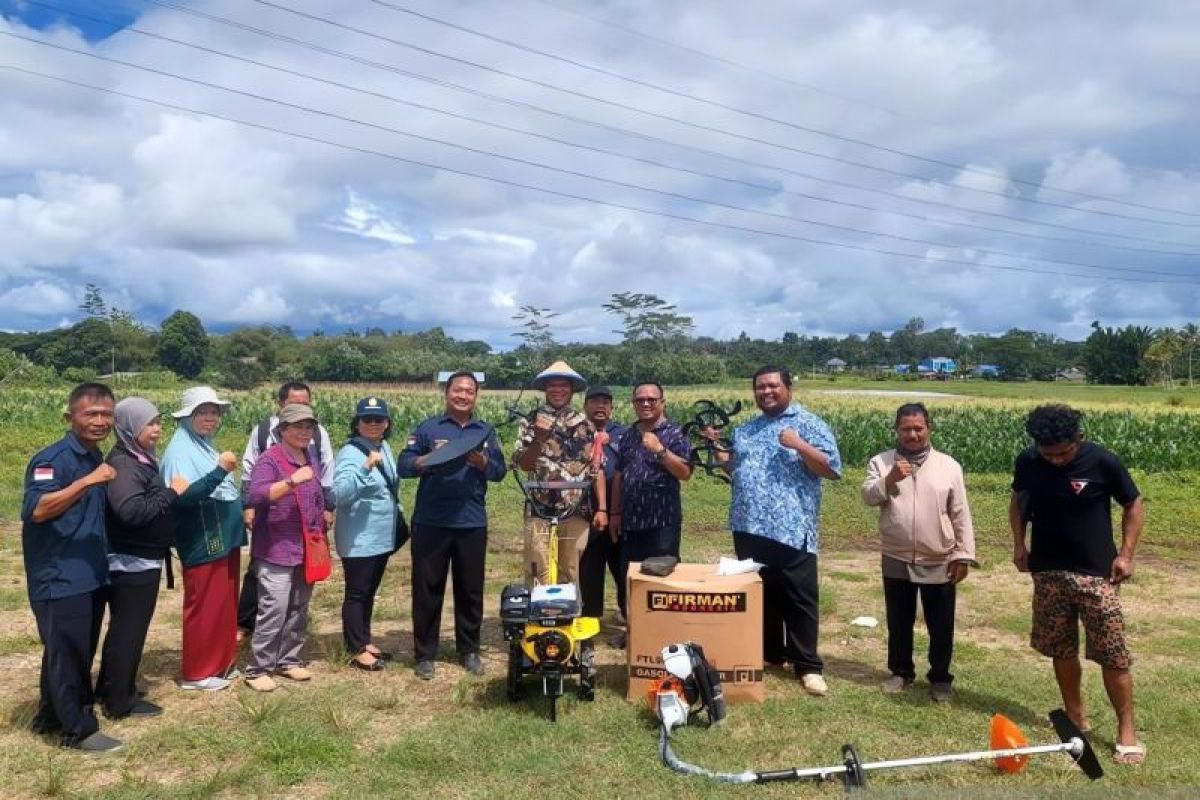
101	474
227	461
302	475
790	439
374	459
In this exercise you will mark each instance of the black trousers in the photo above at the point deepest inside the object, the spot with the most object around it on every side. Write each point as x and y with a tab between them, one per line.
791	607
69	629
363	576
937	601
602	552
436	553
131	599
247	610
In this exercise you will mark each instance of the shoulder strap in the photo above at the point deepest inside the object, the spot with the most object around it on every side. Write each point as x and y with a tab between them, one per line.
264	433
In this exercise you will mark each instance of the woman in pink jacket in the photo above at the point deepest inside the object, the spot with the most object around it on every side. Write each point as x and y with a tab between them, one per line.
928	546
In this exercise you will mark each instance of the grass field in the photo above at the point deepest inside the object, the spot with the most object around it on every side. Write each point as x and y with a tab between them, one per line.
350	734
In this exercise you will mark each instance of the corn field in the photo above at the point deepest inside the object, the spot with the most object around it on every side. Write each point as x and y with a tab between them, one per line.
983	435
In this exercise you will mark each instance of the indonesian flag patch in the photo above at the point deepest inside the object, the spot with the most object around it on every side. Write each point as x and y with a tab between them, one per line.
43	473
1077	486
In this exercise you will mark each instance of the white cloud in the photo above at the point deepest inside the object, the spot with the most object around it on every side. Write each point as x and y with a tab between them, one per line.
166	210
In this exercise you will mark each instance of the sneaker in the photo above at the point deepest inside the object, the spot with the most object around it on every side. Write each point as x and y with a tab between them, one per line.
99	743
261	683
296	673
213	684
232	674
814	684
941	692
895	684
424	670
473	664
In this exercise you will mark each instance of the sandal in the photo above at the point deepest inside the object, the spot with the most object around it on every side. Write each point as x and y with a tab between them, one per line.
1129	754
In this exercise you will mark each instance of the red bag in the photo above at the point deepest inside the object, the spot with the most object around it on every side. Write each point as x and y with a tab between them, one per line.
317	564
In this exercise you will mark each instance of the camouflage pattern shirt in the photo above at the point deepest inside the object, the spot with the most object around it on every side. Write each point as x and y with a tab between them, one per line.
565	456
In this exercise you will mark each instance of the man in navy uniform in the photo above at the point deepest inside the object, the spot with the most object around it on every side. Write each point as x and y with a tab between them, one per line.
66	566
449	521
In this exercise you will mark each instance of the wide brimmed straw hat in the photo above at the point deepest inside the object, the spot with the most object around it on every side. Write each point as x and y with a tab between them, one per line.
560	369
195	397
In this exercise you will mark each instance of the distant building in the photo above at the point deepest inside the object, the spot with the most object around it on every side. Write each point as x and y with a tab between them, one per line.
445	374
835	365
986	371
937	366
1070	374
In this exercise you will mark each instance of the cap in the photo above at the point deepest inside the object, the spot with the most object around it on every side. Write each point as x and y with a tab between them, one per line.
598	391
296	412
372	407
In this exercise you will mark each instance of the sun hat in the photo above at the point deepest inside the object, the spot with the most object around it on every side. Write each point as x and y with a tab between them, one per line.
560	369
296	412
195	397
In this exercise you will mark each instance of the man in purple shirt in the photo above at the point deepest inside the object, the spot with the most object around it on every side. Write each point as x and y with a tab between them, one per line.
652	458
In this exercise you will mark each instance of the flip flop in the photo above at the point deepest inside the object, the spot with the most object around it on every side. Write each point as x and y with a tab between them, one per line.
1129	754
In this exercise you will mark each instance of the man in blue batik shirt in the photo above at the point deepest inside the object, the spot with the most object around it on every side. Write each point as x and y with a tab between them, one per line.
777	463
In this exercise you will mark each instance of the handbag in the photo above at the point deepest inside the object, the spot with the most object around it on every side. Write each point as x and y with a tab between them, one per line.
318	565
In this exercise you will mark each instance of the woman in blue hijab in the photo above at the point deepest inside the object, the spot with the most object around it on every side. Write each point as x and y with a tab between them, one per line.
208	535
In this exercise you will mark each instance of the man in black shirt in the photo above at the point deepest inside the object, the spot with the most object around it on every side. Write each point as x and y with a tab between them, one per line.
1064	486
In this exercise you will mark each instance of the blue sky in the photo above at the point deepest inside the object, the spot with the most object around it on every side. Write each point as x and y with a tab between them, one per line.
119	12
801	166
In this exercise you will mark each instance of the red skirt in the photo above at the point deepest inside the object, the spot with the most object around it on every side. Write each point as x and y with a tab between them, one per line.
210	597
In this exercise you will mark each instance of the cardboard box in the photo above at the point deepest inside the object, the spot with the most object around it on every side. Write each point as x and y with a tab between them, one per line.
721	613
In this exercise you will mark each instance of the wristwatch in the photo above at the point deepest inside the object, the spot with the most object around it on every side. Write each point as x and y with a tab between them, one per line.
291	484
660	455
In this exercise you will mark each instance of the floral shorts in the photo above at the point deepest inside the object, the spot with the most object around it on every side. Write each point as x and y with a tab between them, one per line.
1060	600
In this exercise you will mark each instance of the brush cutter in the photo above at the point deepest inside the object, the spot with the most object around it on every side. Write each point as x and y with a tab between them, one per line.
683	693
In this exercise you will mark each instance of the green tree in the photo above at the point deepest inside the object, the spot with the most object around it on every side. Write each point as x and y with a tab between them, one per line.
183	344
534	330
1116	356
647	317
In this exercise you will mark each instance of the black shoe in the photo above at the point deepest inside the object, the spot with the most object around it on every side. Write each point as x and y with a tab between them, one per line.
140	708
98	743
144	708
424	670
374	666
473	664
619	641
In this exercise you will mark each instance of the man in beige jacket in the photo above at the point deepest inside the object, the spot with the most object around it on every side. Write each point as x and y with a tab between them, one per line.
928	546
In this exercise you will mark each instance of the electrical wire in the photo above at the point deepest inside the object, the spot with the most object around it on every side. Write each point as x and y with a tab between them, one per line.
591	148
688	123
628	132
583	198
585	175
753	114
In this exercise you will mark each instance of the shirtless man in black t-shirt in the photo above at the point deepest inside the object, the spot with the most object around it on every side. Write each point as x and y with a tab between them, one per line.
1065	486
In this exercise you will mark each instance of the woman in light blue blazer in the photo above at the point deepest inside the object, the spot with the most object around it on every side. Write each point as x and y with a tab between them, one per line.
370	524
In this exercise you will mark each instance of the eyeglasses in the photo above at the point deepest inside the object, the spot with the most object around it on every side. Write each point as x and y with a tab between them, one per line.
646	401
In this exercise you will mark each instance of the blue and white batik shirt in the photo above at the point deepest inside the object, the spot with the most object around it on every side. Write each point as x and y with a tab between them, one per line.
774	494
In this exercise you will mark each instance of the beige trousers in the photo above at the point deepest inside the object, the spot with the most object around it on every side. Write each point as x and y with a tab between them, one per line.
572	540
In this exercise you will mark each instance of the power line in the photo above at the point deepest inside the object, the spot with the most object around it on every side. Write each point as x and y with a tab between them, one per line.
729	62
584	198
511	129
753	114
687	123
578	174
636	134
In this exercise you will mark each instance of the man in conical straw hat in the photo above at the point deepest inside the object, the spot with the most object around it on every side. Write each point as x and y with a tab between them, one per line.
557	446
